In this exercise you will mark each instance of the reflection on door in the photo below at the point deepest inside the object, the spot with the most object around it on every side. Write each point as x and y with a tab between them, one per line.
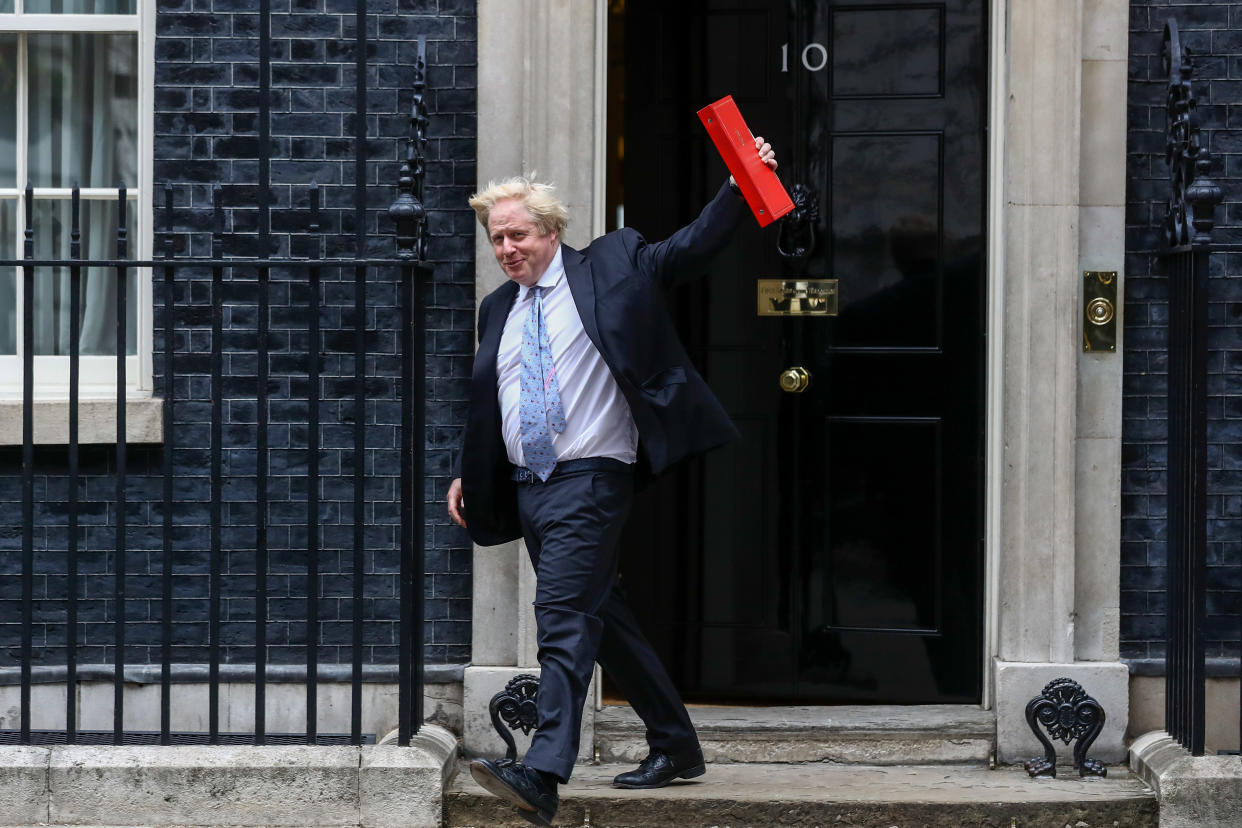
835	552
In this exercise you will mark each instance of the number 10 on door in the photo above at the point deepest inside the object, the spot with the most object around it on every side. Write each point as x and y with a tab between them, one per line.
814	57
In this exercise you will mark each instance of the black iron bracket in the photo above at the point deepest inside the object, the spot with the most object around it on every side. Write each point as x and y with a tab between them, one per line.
1066	710
515	707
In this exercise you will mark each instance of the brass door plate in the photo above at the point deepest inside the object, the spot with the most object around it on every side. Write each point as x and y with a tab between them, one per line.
1099	305
797	297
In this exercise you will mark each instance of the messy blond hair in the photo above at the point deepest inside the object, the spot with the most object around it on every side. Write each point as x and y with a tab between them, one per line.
545	209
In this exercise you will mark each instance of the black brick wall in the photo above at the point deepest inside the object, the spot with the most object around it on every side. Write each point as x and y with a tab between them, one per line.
1214	34
206	131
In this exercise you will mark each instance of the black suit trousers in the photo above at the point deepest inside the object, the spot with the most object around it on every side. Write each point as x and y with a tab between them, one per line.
572	524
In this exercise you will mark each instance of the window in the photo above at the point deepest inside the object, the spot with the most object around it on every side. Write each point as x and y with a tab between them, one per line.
75	98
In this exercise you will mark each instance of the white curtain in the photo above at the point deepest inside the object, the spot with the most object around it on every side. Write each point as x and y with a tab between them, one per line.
8	278
75	6
83	130
8	178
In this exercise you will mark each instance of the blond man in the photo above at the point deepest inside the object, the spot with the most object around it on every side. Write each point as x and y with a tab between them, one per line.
580	386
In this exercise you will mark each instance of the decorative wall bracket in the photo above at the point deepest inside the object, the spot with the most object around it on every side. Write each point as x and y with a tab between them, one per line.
515	706
1066	710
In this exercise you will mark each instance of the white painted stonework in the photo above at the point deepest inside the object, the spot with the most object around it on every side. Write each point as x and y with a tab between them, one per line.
1058	183
1018	683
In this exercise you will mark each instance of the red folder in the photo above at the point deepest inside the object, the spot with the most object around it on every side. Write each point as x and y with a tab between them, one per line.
760	187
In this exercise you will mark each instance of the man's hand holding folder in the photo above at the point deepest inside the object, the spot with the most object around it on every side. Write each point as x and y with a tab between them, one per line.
752	168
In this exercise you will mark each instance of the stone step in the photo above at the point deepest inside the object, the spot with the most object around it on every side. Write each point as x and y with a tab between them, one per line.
832	796
863	734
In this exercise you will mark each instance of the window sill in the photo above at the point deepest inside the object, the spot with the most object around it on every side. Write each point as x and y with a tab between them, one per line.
144	421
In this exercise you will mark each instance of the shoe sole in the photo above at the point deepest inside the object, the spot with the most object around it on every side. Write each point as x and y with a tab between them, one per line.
502	790
691	773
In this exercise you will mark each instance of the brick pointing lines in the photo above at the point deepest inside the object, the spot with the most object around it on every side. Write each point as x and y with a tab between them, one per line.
1213	34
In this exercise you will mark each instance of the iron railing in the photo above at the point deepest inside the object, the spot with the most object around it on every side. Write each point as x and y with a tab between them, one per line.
408	273
1185	261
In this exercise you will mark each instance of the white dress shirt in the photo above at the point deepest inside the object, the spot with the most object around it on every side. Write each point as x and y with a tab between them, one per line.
598	422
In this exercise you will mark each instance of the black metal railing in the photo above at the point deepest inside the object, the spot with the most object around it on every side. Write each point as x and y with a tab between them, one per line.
1187	493
1185	261
407	272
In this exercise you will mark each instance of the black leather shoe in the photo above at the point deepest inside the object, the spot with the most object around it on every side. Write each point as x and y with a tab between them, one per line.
518	785
658	769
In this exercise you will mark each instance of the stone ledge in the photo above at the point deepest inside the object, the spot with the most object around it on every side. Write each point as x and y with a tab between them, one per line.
144	421
1198	791
400	787
23	785
1214	667
198	673
217	785
371	786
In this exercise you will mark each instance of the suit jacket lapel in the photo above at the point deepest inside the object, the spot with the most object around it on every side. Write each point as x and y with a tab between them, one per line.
494	325
484	404
582	288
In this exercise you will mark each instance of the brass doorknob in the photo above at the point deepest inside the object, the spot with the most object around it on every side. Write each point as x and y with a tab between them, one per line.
795	380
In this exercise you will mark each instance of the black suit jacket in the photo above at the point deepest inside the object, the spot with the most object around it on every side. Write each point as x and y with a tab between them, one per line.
617	284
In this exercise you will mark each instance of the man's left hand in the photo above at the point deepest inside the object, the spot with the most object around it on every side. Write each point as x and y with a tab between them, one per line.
766	154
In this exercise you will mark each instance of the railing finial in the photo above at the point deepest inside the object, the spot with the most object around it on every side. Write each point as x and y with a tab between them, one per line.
1189	218
407	210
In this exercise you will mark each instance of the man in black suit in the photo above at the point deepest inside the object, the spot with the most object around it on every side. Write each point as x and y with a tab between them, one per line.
579	382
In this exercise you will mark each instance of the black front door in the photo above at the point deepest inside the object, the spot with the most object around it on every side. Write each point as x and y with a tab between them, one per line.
834	553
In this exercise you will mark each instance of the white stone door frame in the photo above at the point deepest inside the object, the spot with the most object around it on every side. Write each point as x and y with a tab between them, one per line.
1057	207
1053	445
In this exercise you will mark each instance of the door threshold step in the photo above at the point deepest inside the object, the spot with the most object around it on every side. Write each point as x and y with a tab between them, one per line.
833	796
852	734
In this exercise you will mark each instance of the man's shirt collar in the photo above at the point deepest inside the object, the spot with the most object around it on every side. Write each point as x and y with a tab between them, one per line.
550	278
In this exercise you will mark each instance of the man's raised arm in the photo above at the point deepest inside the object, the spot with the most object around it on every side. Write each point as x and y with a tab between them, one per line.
701	238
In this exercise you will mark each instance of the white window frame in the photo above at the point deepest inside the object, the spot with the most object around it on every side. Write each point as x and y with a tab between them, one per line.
98	373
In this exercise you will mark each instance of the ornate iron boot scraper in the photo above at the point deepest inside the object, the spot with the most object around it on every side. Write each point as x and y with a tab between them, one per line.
1069	713
515	706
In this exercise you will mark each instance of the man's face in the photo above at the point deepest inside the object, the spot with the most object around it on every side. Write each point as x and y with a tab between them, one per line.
523	254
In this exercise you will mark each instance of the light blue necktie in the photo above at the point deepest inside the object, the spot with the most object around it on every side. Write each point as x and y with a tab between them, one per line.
540	405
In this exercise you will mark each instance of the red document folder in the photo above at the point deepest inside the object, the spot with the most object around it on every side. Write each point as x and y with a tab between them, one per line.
760	187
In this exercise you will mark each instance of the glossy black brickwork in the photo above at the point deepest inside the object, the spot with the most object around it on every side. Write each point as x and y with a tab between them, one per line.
206	131
1213	32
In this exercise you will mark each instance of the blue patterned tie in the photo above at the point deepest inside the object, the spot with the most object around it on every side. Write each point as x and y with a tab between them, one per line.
540	406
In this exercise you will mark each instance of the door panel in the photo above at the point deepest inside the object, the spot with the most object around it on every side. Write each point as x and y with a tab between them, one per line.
835	552
887	52
885	207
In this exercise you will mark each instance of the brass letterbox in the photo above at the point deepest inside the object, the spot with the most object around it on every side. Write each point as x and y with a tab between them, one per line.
797	297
